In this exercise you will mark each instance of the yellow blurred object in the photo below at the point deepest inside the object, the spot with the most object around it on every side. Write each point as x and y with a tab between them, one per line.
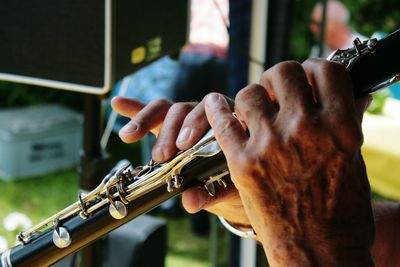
381	149
138	55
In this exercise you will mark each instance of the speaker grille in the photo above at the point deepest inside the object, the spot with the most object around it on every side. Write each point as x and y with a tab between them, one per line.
61	40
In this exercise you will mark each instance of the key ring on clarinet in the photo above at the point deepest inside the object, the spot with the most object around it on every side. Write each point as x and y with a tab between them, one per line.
83	214
117	209
236	231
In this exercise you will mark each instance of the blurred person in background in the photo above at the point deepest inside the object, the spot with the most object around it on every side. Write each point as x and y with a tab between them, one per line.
202	68
199	68
202	62
338	33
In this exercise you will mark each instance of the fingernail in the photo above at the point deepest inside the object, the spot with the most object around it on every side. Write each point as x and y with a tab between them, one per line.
215	97
184	135
131	127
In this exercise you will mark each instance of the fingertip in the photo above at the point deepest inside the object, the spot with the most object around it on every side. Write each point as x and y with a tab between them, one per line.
194	199
214	98
118	100
127	107
194	137
130	128
162	153
115	102
189	136
184	138
126	138
130	132
115	99
157	155
215	107
193	128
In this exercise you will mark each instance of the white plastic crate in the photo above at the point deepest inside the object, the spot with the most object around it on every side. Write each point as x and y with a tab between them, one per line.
38	139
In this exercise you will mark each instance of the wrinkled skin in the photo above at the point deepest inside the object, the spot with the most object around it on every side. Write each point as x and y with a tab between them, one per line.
293	153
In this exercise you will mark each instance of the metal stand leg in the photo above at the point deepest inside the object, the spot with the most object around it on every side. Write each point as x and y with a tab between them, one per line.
94	166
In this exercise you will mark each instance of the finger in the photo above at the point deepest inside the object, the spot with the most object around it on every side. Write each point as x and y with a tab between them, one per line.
127	107
195	199
254	107
228	131
165	147
195	126
362	106
150	118
331	84
226	202
288	83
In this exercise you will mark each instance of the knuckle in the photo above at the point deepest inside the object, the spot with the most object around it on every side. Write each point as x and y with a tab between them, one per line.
312	62
249	91
286	67
196	119
225	125
332	68
181	107
162	103
213	95
302	125
325	68
304	128
352	136
143	125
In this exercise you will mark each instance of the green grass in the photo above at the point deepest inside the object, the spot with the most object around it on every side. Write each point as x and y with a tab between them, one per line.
188	250
37	197
185	249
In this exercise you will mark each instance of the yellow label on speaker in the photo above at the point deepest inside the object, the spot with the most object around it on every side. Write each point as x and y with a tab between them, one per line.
138	55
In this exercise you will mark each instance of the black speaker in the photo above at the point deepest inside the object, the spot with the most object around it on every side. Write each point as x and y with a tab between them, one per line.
141	242
86	45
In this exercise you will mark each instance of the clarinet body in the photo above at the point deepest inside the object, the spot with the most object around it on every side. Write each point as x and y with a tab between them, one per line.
126	193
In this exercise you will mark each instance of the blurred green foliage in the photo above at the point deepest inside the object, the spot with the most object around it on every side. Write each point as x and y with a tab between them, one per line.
378	101
16	95
367	17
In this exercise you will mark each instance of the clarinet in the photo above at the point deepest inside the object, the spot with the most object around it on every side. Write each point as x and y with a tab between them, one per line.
126	193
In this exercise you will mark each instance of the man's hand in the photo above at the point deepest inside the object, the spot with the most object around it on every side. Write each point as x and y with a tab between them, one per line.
297	165
178	127
294	156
